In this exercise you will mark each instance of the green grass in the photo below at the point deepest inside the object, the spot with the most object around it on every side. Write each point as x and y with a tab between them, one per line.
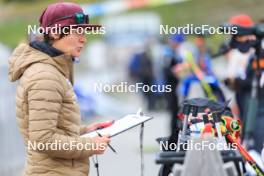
14	32
16	16
211	12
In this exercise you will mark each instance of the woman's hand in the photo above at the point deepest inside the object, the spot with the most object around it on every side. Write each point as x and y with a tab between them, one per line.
100	144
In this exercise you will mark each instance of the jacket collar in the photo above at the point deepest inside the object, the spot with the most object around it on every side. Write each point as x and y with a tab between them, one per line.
25	55
64	64
63	61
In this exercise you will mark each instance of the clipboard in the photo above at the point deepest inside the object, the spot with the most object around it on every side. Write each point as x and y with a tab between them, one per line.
121	125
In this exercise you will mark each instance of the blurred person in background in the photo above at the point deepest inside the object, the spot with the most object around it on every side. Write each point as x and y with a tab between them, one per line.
204	62
202	59
171	59
238	56
243	71
46	106
141	71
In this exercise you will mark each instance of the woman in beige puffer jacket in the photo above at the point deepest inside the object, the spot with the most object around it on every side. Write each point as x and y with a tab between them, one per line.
47	110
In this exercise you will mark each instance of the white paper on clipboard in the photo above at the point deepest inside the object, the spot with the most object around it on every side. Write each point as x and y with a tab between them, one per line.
121	125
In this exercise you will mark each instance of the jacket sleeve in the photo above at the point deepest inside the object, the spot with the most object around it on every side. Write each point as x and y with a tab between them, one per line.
45	97
83	129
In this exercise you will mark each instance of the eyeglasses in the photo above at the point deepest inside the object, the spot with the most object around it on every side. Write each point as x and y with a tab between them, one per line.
80	18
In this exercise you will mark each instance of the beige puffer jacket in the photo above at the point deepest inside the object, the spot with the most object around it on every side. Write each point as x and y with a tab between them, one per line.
48	113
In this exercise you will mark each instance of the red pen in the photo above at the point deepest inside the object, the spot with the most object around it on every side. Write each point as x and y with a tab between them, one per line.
105	124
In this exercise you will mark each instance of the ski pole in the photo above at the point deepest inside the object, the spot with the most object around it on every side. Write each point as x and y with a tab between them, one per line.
245	154
199	74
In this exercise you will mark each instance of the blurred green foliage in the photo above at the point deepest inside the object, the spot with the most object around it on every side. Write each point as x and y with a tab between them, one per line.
15	16
17	0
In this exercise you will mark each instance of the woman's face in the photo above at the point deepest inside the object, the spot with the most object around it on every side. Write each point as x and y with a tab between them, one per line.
71	44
